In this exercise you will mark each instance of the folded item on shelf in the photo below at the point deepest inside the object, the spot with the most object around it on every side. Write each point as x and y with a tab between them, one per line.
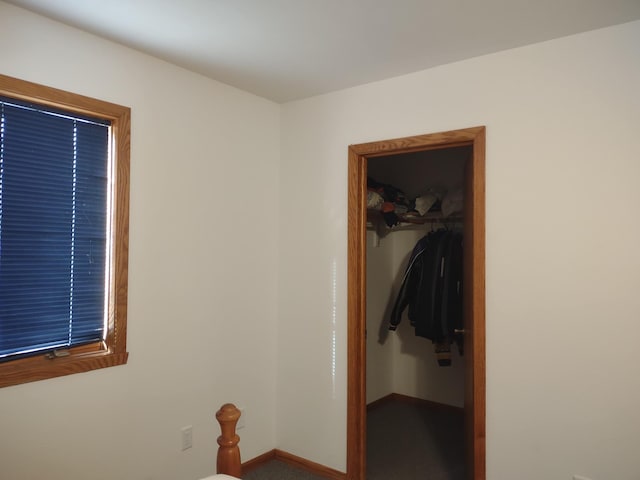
374	200
453	202
425	202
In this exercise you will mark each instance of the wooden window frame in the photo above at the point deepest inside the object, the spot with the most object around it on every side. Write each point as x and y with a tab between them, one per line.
113	350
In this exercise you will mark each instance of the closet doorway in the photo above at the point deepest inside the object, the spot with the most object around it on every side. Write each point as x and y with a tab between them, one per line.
474	290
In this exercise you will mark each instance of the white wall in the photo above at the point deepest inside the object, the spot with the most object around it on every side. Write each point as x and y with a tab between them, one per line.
562	260
202	272
381	276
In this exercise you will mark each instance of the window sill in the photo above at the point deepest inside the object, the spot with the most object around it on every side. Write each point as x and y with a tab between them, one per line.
42	367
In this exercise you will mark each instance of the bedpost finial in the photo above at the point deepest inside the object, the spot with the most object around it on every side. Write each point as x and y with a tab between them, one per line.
228	451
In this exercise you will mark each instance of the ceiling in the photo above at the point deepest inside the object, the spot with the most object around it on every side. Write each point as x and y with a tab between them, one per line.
290	49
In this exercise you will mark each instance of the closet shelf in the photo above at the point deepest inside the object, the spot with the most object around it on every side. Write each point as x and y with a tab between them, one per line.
375	221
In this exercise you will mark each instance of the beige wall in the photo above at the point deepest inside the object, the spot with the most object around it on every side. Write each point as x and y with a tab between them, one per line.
562	261
202	272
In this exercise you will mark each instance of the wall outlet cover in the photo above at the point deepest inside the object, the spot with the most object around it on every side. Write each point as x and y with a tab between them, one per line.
187	437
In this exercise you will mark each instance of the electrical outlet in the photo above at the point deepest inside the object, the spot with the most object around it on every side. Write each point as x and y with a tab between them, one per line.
187	437
241	421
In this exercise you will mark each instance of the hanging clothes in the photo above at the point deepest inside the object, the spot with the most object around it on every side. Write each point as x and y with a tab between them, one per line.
432	290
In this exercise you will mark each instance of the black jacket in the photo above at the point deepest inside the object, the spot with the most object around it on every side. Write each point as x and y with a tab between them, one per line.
432	287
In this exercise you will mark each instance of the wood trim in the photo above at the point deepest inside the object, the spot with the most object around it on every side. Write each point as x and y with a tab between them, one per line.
418	143
295	461
113	351
478	327
258	461
356	309
117	330
309	466
356	294
54	97
40	368
421	402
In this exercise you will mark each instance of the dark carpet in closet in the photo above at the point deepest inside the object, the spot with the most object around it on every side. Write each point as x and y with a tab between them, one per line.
278	470
405	441
411	441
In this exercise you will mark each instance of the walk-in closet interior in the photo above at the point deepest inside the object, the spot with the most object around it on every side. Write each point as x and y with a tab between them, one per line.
415	367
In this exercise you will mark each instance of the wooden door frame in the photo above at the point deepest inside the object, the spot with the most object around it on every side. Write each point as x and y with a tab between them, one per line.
356	295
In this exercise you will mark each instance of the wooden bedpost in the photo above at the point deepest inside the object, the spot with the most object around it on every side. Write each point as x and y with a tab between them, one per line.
228	452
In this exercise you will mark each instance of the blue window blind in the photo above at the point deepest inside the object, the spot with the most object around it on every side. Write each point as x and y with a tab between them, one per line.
54	193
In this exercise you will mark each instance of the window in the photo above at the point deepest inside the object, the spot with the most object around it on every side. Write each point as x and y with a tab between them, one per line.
64	203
